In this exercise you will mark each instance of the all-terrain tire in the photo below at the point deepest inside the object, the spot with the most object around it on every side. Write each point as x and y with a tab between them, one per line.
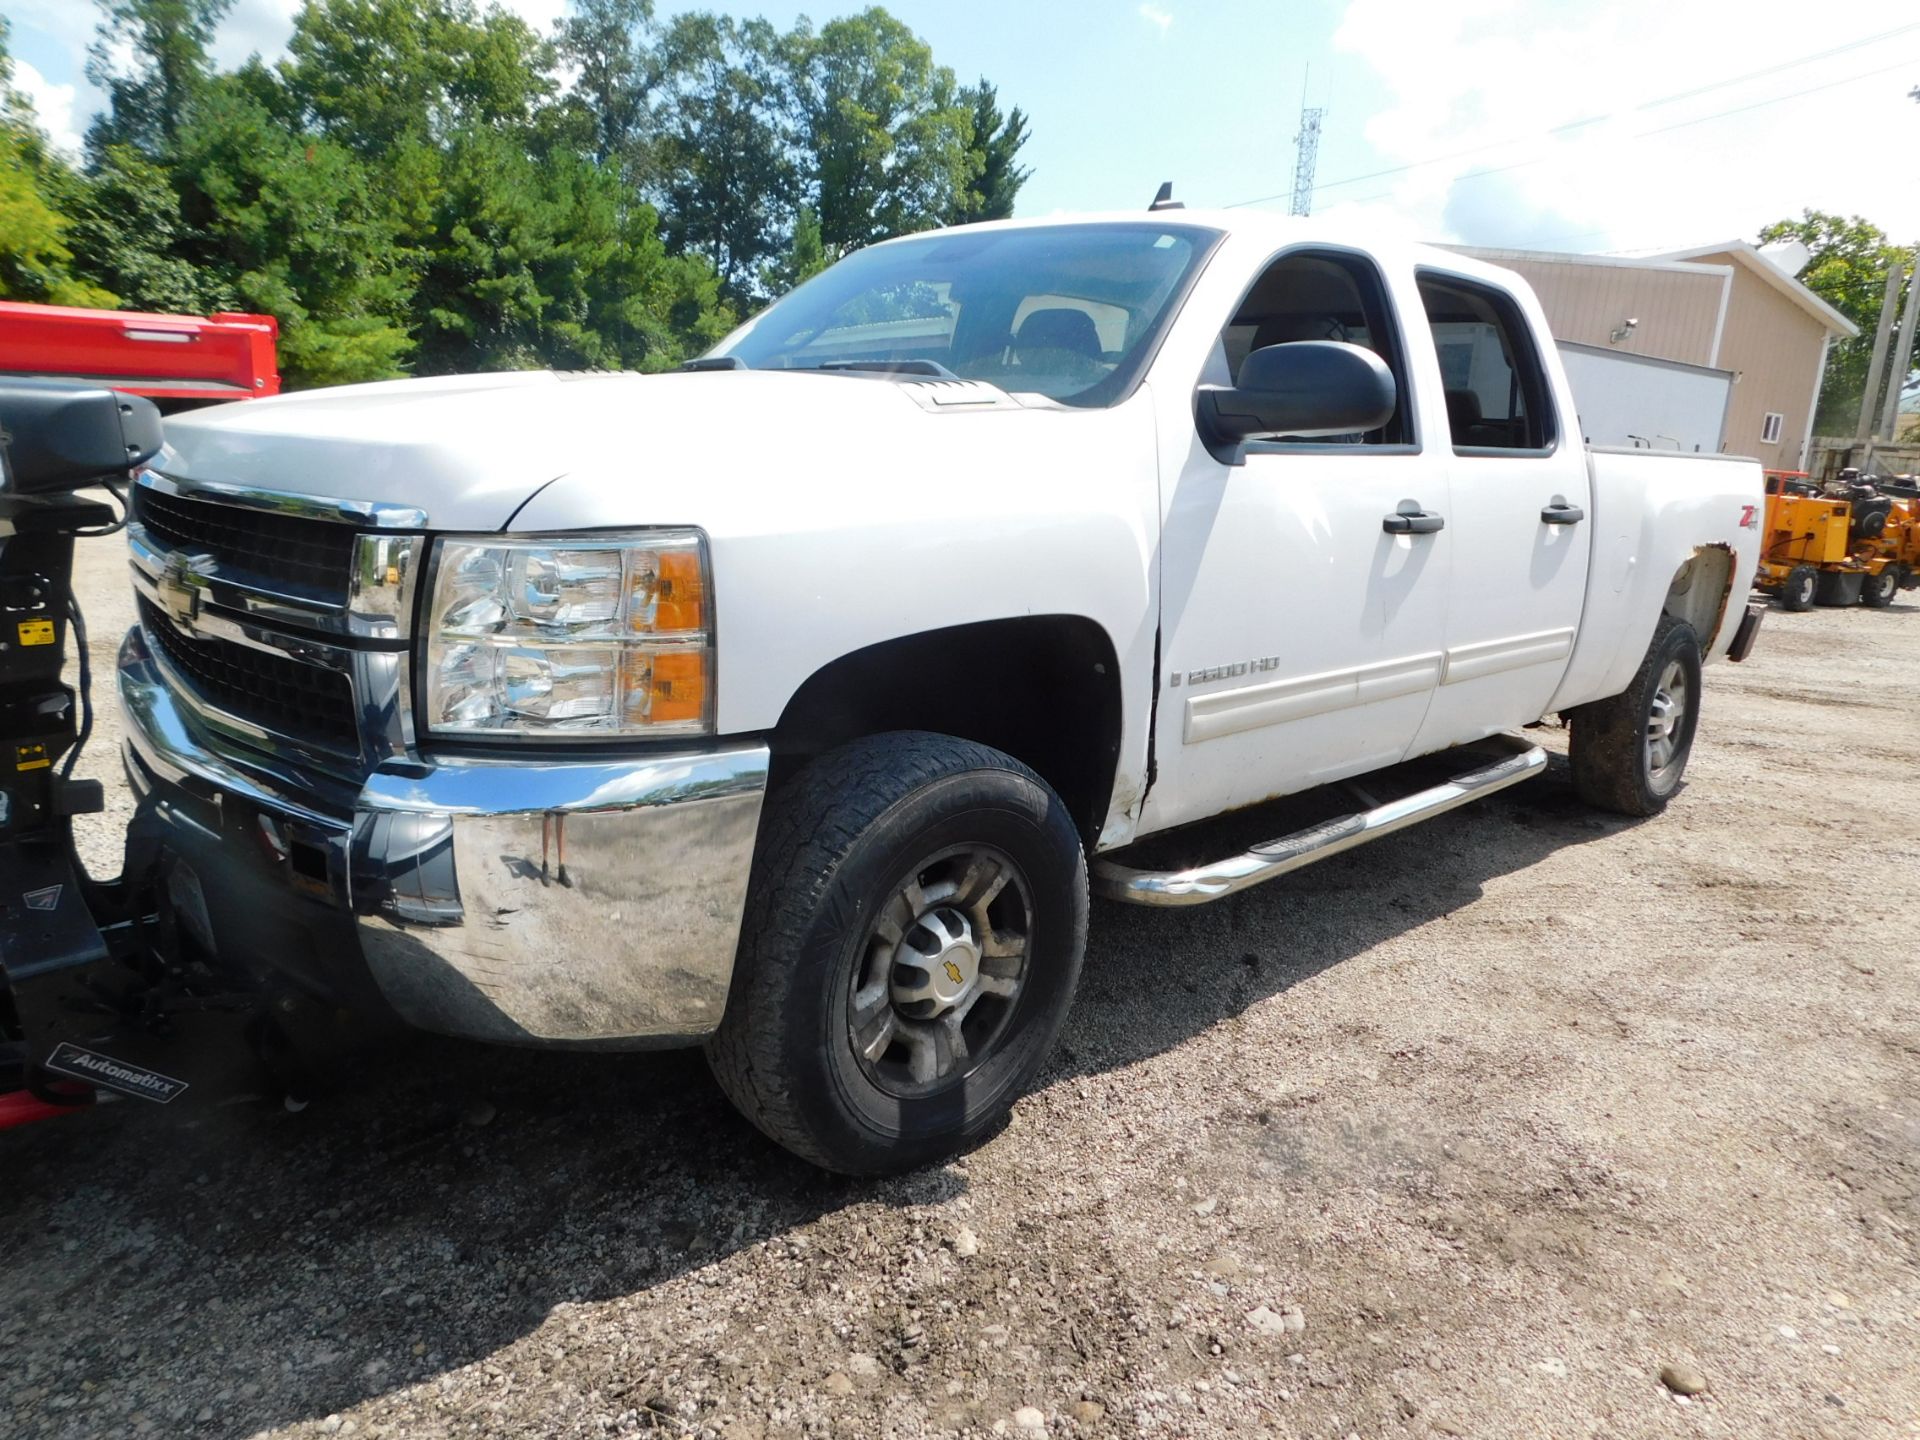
1877	591
837	846
1796	591
1611	750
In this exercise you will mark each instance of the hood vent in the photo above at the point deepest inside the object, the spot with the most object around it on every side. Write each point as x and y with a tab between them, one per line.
958	396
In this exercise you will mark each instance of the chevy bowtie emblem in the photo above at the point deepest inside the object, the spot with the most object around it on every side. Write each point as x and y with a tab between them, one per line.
178	585
953	972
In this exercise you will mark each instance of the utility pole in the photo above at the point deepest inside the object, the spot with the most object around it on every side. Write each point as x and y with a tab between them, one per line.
1902	360
1896	272
1306	153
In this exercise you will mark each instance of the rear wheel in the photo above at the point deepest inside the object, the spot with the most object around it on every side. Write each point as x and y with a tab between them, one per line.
1796	591
913	935
1877	591
1629	752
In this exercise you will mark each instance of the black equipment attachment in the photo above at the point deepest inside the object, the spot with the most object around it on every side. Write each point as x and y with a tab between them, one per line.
100	993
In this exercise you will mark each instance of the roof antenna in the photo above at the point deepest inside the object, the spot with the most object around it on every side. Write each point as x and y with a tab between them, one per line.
1163	200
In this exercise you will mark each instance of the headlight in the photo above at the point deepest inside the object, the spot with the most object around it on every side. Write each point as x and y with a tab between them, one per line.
571	636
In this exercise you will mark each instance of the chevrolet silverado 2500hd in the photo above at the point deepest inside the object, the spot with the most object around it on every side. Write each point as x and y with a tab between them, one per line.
790	705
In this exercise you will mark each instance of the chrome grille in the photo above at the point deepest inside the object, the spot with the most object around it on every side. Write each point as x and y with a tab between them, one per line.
278	694
279	553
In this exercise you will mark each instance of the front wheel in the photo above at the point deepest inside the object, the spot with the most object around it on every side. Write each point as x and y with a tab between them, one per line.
1630	751
1877	591
912	939
1796	591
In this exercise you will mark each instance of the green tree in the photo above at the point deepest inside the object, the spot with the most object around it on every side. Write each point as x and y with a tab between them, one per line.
129	237
9	100
994	168
608	42
150	56
414	188
377	74
298	227
1849	271
729	178
885	133
806	256
36	259
542	262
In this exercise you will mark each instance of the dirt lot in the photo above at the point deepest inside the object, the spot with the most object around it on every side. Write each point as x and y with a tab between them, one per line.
1469	1133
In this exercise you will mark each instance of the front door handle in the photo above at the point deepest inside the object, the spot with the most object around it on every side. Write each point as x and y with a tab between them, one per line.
1561	513
1410	519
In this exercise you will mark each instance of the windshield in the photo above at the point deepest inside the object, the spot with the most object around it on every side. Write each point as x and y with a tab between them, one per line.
1071	312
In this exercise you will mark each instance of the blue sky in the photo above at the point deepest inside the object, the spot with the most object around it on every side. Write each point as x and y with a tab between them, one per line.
1578	126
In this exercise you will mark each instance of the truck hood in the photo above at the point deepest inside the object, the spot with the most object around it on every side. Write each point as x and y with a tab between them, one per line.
470	451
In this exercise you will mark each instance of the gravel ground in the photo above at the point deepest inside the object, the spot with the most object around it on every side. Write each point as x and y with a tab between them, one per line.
1472	1132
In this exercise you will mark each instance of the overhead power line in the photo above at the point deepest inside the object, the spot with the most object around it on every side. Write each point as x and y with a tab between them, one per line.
1660	130
1799	63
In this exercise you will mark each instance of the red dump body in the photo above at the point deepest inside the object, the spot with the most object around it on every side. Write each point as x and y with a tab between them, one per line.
164	357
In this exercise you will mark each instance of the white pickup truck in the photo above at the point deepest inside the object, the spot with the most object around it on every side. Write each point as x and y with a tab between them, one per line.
790	705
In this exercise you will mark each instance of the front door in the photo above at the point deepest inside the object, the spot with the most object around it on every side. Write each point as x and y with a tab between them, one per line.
1519	490
1301	641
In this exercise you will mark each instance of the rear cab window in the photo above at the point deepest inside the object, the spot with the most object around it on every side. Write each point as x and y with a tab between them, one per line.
1495	385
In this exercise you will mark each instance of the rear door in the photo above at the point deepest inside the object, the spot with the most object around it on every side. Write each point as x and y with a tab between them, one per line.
1518	491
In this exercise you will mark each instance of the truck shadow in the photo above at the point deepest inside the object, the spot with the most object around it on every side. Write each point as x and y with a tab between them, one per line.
262	1269
1154	977
249	1268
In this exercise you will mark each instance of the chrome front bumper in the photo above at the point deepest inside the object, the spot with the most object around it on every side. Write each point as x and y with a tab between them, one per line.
534	902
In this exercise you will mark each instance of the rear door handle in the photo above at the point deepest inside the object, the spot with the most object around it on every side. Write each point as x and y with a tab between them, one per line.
1410	519
1561	513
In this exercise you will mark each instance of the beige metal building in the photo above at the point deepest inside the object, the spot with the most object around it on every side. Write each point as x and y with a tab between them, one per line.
1729	307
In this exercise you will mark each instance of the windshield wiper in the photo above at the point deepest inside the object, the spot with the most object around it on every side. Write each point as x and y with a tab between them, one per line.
908	369
924	369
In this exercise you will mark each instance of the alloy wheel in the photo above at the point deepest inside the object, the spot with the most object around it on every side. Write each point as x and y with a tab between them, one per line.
1667	727
941	971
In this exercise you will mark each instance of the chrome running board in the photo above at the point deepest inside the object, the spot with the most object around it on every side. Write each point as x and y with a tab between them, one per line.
1522	760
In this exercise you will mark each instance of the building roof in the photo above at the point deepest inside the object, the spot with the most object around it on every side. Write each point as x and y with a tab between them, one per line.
1499	254
1757	264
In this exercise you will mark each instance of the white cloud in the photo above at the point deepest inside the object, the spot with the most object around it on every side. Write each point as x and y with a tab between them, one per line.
1161	20
52	104
1571	128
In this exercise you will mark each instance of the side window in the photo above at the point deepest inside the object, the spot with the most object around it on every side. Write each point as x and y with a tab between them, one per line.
1316	295
1496	390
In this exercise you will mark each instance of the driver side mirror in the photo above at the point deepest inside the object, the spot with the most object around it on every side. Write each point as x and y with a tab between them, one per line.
1303	388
